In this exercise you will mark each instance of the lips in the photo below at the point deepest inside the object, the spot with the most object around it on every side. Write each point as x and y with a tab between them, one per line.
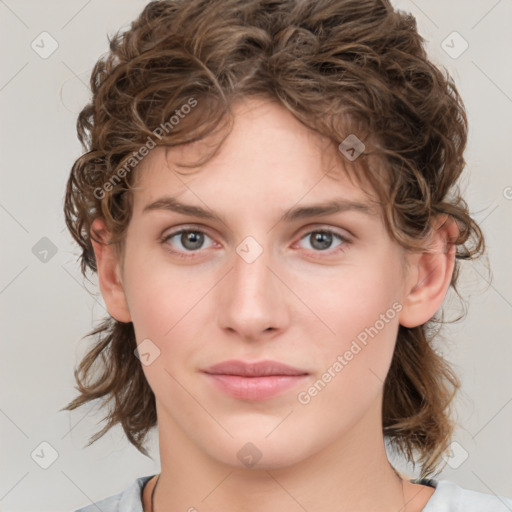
254	381
258	369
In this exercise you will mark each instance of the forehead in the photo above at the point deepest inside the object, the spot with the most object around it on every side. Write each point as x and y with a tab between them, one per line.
268	157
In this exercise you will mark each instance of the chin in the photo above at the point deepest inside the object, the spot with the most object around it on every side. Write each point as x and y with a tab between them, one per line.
260	453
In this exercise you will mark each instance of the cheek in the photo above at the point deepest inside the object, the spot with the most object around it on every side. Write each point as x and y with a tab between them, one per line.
352	364
156	292
161	302
357	298
361	309
169	306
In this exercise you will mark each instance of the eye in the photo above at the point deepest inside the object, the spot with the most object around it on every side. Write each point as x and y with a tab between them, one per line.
321	240
191	240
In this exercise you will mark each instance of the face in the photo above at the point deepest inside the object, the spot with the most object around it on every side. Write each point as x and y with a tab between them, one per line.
263	279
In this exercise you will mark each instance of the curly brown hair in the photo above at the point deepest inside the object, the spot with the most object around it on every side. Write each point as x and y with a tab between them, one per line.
340	67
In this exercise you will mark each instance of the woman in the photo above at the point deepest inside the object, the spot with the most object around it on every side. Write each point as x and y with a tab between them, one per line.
267	196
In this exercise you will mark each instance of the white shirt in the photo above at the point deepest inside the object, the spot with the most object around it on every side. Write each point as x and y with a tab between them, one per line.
448	497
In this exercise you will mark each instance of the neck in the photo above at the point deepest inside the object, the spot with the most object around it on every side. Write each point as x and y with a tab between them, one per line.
347	475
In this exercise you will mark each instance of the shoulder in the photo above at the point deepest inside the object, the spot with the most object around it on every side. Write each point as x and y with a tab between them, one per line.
129	500
450	497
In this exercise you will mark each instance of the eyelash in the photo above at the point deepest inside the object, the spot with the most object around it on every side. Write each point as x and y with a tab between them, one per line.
165	239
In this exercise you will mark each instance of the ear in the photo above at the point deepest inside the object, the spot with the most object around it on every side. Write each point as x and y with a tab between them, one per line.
109	273
429	274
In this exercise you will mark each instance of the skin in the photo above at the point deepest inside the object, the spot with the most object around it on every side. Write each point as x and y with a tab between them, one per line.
296	303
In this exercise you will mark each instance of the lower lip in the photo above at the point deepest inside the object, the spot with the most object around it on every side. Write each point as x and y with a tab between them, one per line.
255	388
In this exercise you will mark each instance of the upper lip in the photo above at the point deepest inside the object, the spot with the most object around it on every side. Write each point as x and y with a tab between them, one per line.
257	369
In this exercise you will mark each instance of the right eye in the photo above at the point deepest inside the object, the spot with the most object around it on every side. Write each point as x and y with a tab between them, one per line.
191	241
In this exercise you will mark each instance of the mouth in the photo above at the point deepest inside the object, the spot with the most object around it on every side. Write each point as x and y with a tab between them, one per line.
254	381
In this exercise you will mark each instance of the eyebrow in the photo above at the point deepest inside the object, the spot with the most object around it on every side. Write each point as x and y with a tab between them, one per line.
170	203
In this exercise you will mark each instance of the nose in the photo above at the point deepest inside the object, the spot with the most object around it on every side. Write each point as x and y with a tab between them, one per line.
253	298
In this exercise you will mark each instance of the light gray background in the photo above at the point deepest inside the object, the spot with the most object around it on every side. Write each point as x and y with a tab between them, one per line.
46	308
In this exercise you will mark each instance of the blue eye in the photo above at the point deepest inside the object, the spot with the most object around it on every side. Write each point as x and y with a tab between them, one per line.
322	239
193	240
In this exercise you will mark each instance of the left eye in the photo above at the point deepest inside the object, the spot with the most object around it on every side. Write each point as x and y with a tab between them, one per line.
321	240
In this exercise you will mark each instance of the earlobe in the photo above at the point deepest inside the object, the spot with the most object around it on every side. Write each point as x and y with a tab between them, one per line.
430	275
109	273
